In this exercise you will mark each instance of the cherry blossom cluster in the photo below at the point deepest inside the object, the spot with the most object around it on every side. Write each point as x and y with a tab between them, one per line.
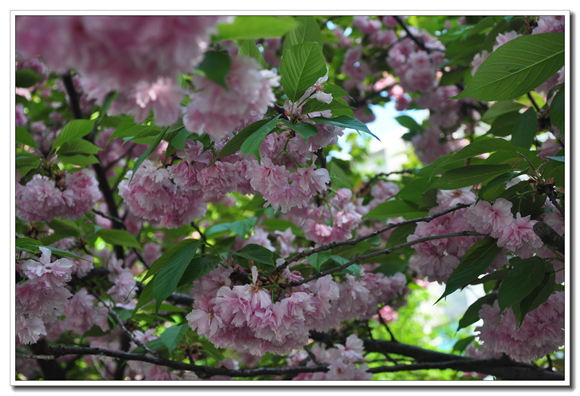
117	51
218	111
278	320
437	259
341	359
43	198
541	332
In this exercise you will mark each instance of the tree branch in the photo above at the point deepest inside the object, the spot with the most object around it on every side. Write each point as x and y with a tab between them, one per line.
357	259
98	168
58	350
549	236
350	242
127	332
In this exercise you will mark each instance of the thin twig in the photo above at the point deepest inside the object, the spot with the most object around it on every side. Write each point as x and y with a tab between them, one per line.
386	327
140	257
112	218
533	102
39	357
388	227
357	259
120	322
311	355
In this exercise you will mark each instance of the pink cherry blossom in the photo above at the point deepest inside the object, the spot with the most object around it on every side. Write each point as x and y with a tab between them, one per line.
218	111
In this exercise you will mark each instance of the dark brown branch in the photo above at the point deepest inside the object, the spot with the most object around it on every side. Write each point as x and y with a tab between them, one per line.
549	236
388	227
120	323
58	350
386	326
550	193
98	168
533	102
280	110
357	259
503	368
112	218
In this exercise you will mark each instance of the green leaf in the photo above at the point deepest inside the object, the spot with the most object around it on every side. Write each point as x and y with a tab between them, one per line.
251	146
304	129
469	176
495	187
453	77
494	276
26	160
428	200
79	159
123	314
517	67
162	260
165	282
215	67
307	31
313	105
400	234
253	27
65	227
463	343
126	127
26	78
23	137
154	345
429	170
408	123
236	142
414	190
345	122
504	124
520	282
242	227
472	314
63	253
140	160
249	48
197	268
335	90
258	254
476	148
557	111
77	146
476	260
211	350
73	130
537	297
280	225
119	237
500	108
338	177
145	297
172	336
317	259
560	158
301	66
525	129
217	228
179	137
395	208
353	270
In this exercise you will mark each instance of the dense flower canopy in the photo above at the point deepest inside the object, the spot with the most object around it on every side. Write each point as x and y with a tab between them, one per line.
196	197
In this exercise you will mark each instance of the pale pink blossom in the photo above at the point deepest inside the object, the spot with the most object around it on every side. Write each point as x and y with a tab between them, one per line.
217	111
